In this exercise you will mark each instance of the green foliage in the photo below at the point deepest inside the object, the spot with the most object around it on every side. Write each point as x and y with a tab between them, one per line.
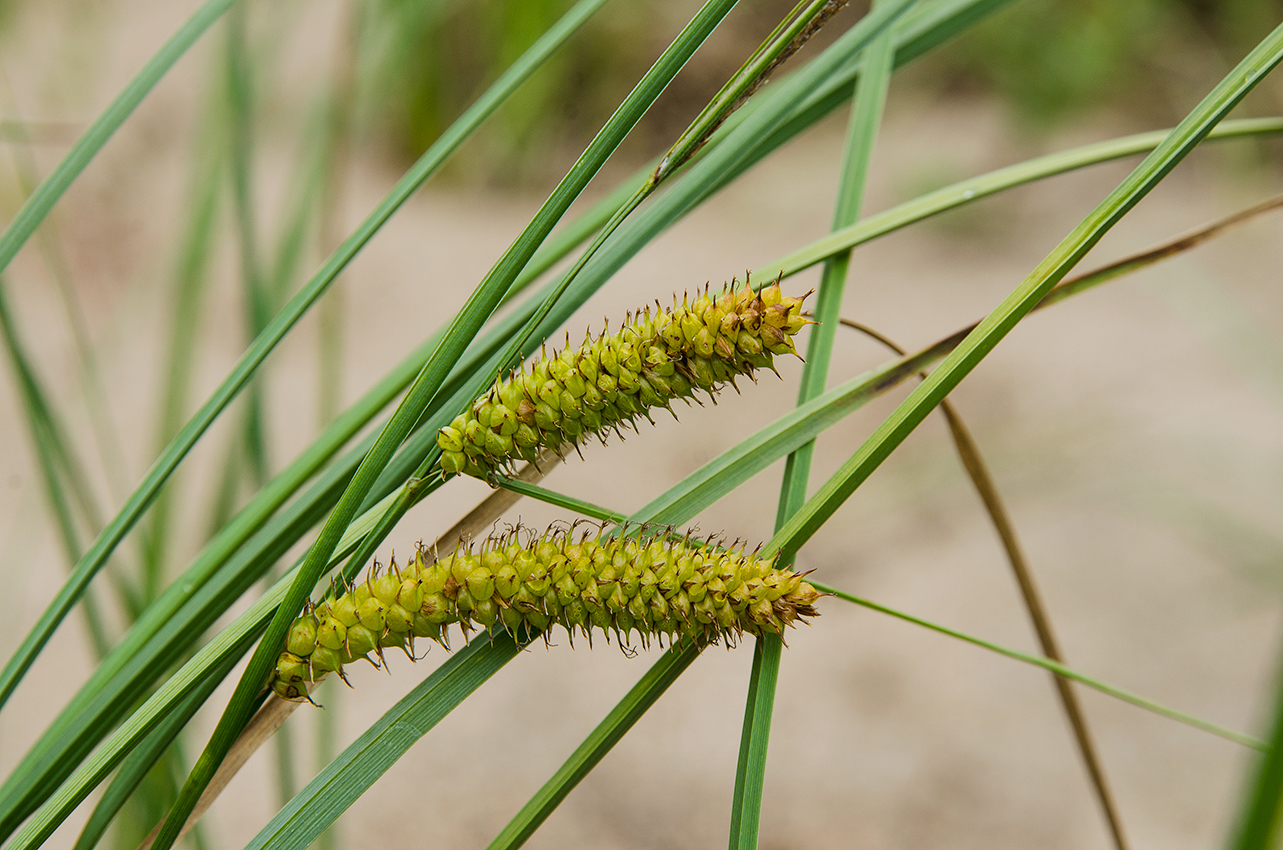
568	396
1049	61
338	499
1053	62
427	60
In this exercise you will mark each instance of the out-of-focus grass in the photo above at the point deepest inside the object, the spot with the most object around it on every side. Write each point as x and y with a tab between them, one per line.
1051	63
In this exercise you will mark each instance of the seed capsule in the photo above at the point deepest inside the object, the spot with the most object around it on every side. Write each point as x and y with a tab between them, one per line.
641	581
606	381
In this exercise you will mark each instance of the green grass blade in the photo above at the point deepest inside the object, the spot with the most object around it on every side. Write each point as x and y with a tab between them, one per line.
36	207
866	117
16	800
1058	668
788	37
463	329
189	285
975	188
256	289
1258	826
226	647
959	363
378	748
144	756
307	212
1051	665
45	435
276	330
612	728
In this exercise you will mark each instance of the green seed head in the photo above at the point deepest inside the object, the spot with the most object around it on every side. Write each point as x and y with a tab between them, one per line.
640	582
302	636
602	384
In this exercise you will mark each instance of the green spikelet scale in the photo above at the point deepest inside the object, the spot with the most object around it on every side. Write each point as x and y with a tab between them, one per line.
609	381
642	582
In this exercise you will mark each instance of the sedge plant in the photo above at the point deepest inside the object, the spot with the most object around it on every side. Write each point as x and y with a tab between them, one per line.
281	593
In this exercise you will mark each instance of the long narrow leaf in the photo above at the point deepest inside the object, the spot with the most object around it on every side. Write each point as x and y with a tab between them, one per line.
1060	669
603	738
981	341
464	327
37	206
866	117
378	748
267	341
228	645
16	801
975	188
1261	820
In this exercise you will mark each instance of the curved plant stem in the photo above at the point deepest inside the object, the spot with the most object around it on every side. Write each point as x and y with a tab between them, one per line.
975	188
959	363
978	472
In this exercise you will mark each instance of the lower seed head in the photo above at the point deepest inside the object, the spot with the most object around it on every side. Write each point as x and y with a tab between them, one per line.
640	582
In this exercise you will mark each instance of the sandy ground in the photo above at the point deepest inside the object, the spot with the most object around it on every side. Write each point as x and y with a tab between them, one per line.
1136	433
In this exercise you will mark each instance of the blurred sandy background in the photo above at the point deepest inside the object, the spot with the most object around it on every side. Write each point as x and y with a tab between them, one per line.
1136	433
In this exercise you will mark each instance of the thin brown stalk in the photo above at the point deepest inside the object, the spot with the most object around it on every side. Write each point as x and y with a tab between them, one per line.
974	464
276	711
1168	249
1083	282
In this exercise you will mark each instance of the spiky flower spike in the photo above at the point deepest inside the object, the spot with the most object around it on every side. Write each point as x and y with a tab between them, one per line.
644	581
610	380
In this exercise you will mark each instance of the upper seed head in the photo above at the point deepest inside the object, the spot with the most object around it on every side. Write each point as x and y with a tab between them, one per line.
603	383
